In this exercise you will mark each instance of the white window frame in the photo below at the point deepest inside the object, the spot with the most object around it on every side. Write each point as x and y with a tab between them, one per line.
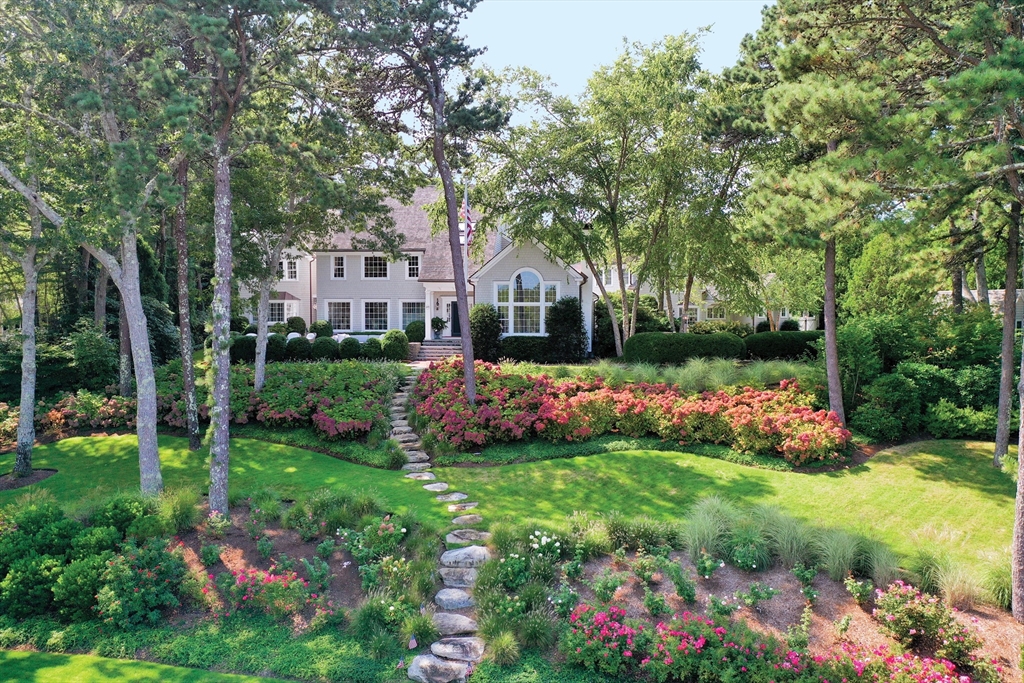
284	266
327	313
686	315
284	312
510	305
387	266
408	266
386	302
401	310
710	309
334	266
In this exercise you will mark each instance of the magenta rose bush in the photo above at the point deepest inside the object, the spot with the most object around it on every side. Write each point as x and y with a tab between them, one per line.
510	407
691	647
345	400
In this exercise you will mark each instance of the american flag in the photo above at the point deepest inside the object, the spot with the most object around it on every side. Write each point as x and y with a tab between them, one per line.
464	215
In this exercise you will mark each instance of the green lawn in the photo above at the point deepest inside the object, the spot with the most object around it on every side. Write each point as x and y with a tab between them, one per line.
42	667
91	468
942	490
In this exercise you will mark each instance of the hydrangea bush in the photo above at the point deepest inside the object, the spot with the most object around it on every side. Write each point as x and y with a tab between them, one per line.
780	422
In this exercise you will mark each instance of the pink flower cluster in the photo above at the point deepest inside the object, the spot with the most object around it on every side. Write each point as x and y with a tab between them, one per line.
852	663
277	594
600	641
511	407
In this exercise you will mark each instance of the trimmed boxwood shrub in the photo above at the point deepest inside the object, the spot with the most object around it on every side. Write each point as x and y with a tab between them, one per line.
120	511
712	326
27	589
239	323
371	349
277	348
567	335
279	328
416	331
946	421
525	349
251	329
243	349
763	326
74	593
296	324
783	345
299	348
789	325
394	345
324	348
349	348
321	328
485	330
666	347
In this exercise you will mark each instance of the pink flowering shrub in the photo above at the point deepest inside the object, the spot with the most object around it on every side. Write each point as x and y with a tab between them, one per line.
914	618
602	641
777	422
277	594
849	662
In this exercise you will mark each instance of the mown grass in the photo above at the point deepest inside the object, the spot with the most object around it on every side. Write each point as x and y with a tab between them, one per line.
90	469
53	668
939	493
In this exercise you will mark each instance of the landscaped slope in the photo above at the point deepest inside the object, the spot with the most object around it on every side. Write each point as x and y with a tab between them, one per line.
934	490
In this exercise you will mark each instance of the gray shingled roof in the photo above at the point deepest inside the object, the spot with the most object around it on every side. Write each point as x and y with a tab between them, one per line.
411	221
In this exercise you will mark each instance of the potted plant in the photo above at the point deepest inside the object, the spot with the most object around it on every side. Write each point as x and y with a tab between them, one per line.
438	325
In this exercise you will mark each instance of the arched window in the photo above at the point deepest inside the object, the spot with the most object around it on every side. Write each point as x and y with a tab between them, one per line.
522	302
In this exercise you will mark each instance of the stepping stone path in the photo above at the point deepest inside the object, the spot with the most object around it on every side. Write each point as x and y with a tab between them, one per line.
450	658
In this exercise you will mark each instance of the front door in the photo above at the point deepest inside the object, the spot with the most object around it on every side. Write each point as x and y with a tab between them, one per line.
451	314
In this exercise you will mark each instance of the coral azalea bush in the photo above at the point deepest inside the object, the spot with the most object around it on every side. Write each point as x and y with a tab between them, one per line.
510	407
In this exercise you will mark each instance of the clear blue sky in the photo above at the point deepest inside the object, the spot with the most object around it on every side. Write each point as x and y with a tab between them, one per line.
568	39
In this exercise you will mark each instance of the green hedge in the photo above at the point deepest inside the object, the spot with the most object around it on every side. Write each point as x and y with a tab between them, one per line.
324	348
243	349
299	348
349	348
783	345
670	348
524	349
321	328
416	331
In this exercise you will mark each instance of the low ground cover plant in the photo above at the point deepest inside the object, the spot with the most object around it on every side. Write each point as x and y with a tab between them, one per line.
511	407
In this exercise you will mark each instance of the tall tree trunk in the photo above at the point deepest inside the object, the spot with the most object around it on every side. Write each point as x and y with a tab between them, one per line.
835	385
981	278
965	282
99	300
1006	358
669	309
125	351
623	293
26	410
1017	561
188	370
82	282
220	412
687	292
609	306
262	325
958	291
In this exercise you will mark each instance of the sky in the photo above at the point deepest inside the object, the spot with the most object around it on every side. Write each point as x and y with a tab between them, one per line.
568	39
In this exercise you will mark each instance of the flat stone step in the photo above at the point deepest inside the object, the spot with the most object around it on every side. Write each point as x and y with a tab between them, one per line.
461	649
467	536
436	488
399	423
452	497
449	624
412	446
432	669
470	556
462	507
416	456
416	466
398	431
456	577
421	476
453	598
467	520
406	438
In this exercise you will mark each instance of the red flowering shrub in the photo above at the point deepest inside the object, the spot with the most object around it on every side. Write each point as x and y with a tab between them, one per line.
601	641
276	594
511	407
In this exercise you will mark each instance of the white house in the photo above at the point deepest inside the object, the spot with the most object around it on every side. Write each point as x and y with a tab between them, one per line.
361	291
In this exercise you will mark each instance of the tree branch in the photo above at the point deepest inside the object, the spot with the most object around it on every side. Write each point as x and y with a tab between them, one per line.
33	197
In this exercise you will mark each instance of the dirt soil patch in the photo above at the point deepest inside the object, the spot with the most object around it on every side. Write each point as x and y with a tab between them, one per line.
1002	636
9	482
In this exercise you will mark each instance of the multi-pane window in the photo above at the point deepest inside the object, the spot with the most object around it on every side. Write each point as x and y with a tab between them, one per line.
690	316
412	311
339	314
413	264
338	272
288	270
785	313
276	313
608	277
375	316
521	305
375	268
716	313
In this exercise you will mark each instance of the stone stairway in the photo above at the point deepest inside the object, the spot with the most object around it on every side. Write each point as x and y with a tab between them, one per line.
452	657
439	349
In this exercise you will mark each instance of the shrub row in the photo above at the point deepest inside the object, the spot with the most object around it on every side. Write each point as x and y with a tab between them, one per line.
510	407
394	346
668	348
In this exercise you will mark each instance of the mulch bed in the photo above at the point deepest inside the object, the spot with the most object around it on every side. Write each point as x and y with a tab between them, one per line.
9	482
1002	636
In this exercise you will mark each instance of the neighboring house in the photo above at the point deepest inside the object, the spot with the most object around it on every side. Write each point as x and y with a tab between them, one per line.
995	301
359	291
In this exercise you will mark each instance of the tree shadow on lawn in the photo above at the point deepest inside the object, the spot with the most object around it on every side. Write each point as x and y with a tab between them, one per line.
959	463
54	668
